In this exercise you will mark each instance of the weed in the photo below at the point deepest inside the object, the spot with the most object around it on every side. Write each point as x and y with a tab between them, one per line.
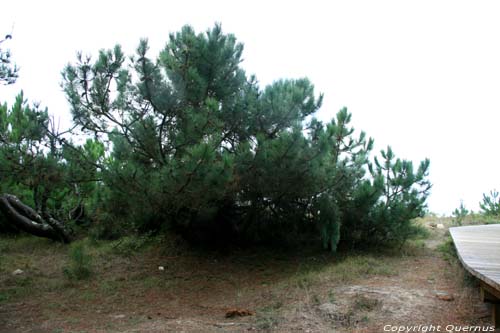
269	316
304	281
80	262
108	287
421	232
277	305
315	299
16	286
151	282
267	319
129	245
447	249
363	303
414	248
331	296
266	322
359	266
449	253
88	296
26	244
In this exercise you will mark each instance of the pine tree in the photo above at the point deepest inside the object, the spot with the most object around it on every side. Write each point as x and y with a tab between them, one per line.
42	177
199	147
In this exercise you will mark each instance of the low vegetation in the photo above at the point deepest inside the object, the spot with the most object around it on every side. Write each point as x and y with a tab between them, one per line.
79	266
143	283
88	271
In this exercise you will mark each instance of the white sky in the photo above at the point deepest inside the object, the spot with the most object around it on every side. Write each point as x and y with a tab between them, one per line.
421	76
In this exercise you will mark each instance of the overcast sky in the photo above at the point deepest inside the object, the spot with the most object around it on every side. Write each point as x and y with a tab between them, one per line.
421	76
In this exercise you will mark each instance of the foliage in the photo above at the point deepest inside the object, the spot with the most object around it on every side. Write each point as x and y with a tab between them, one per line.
44	170
25	165
198	147
50	174
447	249
129	245
459	214
491	204
80	263
381	211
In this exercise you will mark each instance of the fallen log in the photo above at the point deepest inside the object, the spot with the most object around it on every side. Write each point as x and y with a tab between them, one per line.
27	219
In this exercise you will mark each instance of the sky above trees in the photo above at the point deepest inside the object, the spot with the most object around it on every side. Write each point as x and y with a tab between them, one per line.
422	77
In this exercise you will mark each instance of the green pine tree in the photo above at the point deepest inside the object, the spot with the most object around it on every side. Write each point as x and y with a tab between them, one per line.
199	147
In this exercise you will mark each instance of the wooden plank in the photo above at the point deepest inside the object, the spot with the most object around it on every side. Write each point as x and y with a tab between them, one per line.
478	248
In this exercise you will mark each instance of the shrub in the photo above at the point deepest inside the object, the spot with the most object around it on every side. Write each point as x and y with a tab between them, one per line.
459	214
80	263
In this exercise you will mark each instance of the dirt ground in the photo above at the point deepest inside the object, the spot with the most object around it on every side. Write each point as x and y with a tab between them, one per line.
278	292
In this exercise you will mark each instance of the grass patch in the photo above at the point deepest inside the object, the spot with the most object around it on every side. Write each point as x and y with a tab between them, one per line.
26	244
88	295
16	287
447	249
414	248
331	296
269	317
305	280
449	253
35	257
363	303
361	266
267	321
126	246
109	287
421	232
151	282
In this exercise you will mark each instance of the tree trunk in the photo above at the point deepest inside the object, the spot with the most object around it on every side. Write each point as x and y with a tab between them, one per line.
27	219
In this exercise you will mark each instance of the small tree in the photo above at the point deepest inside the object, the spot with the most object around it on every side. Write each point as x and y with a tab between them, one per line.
382	208
460	214
491	203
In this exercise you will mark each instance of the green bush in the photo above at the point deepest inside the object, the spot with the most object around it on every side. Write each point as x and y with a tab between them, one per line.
459	214
448	250
130	245
80	263
491	204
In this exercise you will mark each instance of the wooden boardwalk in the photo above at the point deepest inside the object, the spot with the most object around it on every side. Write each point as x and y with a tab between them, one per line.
478	248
